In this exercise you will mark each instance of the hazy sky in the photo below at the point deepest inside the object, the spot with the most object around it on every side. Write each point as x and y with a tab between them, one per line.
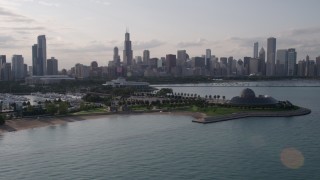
86	30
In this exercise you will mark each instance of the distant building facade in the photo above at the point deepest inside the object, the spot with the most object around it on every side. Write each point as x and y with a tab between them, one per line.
271	56
52	66
292	61
39	57
18	67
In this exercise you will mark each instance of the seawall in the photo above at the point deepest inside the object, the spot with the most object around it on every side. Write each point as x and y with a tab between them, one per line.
214	119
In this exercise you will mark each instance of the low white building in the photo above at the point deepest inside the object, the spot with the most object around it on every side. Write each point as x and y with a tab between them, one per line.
121	82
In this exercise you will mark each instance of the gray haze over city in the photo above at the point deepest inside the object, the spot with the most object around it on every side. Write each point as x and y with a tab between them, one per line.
82	31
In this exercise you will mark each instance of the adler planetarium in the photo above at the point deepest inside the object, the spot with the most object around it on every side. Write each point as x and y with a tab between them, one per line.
249	98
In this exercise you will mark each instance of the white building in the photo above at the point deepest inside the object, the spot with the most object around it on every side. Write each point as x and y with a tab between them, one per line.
121	83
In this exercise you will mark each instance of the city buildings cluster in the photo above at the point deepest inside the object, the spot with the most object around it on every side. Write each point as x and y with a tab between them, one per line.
273	62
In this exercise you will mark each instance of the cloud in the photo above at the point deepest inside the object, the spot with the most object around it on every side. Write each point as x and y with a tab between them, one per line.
24	28
5	39
91	47
103	2
9	42
50	4
13	17
198	42
147	44
302	32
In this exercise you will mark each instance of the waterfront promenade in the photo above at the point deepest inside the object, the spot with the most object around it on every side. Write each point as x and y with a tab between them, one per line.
290	113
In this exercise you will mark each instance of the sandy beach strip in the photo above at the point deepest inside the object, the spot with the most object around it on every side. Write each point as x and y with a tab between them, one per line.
30	123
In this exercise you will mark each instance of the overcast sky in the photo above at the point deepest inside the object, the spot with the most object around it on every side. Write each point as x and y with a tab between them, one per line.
80	31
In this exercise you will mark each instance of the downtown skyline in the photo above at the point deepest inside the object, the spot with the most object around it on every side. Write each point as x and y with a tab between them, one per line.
79	36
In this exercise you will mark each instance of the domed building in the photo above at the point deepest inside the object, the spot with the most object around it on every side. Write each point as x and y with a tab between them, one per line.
249	98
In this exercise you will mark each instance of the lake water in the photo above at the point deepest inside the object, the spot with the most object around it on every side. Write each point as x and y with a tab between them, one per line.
172	147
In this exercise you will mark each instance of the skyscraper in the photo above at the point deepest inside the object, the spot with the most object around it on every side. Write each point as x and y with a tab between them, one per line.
307	71
255	50
18	67
116	57
171	62
7	73
208	59
127	52
52	66
292	61
262	62
181	57
39	57
271	56
35	66
42	55
318	65
2	64
282	62
146	57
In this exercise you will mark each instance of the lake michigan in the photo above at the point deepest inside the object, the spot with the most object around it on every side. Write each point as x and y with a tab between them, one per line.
172	147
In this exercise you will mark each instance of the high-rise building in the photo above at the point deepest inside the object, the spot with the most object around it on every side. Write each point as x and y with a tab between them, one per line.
282	62
292	61
18	67
255	50
229	65
138	59
52	66
116	57
25	70
39	57
171	62
318	65
301	68
7	73
146	57
181	57
254	63
246	65
3	60
198	62
35	64
307	71
42	55
127	52
262	62
208	59
271	56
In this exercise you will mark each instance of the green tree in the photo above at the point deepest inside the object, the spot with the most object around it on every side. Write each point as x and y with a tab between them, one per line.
2	120
164	91
63	108
51	108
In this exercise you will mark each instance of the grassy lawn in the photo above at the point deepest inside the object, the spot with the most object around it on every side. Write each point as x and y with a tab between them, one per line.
210	111
91	111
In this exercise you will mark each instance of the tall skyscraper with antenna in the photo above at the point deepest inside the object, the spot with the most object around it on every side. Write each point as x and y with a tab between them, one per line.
127	52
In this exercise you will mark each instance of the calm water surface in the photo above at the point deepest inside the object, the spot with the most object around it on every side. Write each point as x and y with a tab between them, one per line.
171	147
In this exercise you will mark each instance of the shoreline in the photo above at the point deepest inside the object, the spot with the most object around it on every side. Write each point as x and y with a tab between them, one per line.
31	123
202	118
214	119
